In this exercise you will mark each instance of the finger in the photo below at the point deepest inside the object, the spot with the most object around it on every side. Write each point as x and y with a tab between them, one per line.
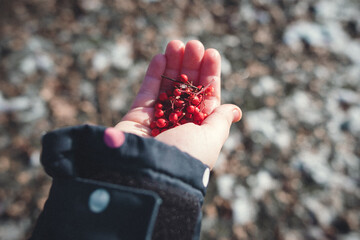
210	74
140	115
149	90
134	128
174	54
193	55
218	123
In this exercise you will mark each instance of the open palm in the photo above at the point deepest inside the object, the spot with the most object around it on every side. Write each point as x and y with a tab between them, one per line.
202	67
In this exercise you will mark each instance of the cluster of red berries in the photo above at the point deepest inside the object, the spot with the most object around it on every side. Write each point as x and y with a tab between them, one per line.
182	104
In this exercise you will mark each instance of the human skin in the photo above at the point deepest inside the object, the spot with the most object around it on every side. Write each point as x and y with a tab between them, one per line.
203	67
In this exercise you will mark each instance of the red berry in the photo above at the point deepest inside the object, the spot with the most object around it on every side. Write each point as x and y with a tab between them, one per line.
173	117
163	96
188	115
184	78
177	92
153	124
195	101
178	112
183	121
199	116
190	109
209	91
179	103
161	123
159	113
158	106
155	132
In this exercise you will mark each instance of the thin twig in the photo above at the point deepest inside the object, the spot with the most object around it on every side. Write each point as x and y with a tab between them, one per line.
187	84
170	79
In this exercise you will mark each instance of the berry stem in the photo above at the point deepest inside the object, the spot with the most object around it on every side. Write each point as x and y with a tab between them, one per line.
187	84
202	90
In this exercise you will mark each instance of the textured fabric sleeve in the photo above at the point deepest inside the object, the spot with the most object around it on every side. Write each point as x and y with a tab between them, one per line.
114	185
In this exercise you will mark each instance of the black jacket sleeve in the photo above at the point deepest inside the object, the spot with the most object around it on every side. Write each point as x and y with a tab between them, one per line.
138	189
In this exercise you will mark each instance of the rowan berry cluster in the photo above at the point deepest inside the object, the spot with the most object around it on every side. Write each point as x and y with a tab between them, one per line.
182	104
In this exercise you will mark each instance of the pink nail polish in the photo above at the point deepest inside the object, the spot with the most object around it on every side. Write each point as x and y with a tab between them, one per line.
113	138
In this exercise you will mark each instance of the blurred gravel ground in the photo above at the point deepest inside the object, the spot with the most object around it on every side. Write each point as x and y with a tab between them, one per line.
290	169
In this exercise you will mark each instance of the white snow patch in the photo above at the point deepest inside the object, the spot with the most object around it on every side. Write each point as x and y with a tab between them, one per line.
314	161
323	213
225	184
265	122
101	61
121	55
226	68
28	65
329	35
261	183
301	106
244	208
233	140
267	85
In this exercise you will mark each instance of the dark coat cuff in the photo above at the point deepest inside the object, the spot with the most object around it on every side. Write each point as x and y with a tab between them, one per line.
152	176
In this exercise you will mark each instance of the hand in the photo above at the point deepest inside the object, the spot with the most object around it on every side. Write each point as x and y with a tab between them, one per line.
203	142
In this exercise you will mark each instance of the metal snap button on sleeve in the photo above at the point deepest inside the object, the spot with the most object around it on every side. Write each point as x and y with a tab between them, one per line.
206	177
99	200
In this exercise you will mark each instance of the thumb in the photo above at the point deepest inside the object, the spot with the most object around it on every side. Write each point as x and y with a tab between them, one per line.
218	123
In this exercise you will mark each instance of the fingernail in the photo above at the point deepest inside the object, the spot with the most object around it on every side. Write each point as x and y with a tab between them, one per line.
236	115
